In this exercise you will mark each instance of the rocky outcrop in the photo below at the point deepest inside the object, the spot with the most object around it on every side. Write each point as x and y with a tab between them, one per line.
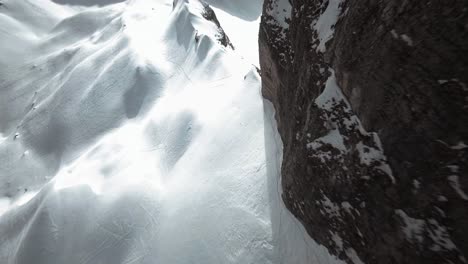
210	15
371	101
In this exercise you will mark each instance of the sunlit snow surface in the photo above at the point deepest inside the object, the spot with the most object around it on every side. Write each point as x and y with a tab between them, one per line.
243	33
123	139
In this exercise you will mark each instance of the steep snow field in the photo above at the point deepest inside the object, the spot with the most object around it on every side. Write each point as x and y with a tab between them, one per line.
243	33
128	134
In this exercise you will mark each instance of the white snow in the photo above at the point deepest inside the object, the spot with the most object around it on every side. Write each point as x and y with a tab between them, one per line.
242	33
369	155
459	146
337	240
348	207
408	41
4	205
332	96
333	138
353	256
143	144
293	243
281	12
453	168
246	10
324	25
416	184
440	236
413	228
330	208
453	181
416	229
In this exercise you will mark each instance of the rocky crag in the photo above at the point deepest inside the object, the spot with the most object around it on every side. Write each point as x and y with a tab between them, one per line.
371	100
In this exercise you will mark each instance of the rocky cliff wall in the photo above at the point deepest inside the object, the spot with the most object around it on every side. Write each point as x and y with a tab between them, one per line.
372	106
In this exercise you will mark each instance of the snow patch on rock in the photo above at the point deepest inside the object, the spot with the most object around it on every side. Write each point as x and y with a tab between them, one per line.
324	25
413	228
369	155
333	138
454	182
419	230
281	12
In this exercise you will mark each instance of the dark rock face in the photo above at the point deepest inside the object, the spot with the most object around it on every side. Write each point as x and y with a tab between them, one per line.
372	107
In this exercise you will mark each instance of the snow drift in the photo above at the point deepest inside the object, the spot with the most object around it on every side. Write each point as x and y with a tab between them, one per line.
129	134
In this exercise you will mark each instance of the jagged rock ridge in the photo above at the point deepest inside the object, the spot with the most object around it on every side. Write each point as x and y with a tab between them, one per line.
372	107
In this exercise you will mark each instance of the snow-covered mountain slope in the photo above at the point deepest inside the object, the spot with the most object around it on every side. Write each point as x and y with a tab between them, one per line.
129	134
248	10
242	33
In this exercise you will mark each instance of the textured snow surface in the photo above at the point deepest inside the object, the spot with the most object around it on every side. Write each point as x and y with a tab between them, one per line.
124	138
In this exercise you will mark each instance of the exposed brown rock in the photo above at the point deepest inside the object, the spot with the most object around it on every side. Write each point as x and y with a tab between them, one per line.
397	191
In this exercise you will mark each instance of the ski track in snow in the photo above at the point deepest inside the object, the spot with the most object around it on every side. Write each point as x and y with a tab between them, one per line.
124	139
